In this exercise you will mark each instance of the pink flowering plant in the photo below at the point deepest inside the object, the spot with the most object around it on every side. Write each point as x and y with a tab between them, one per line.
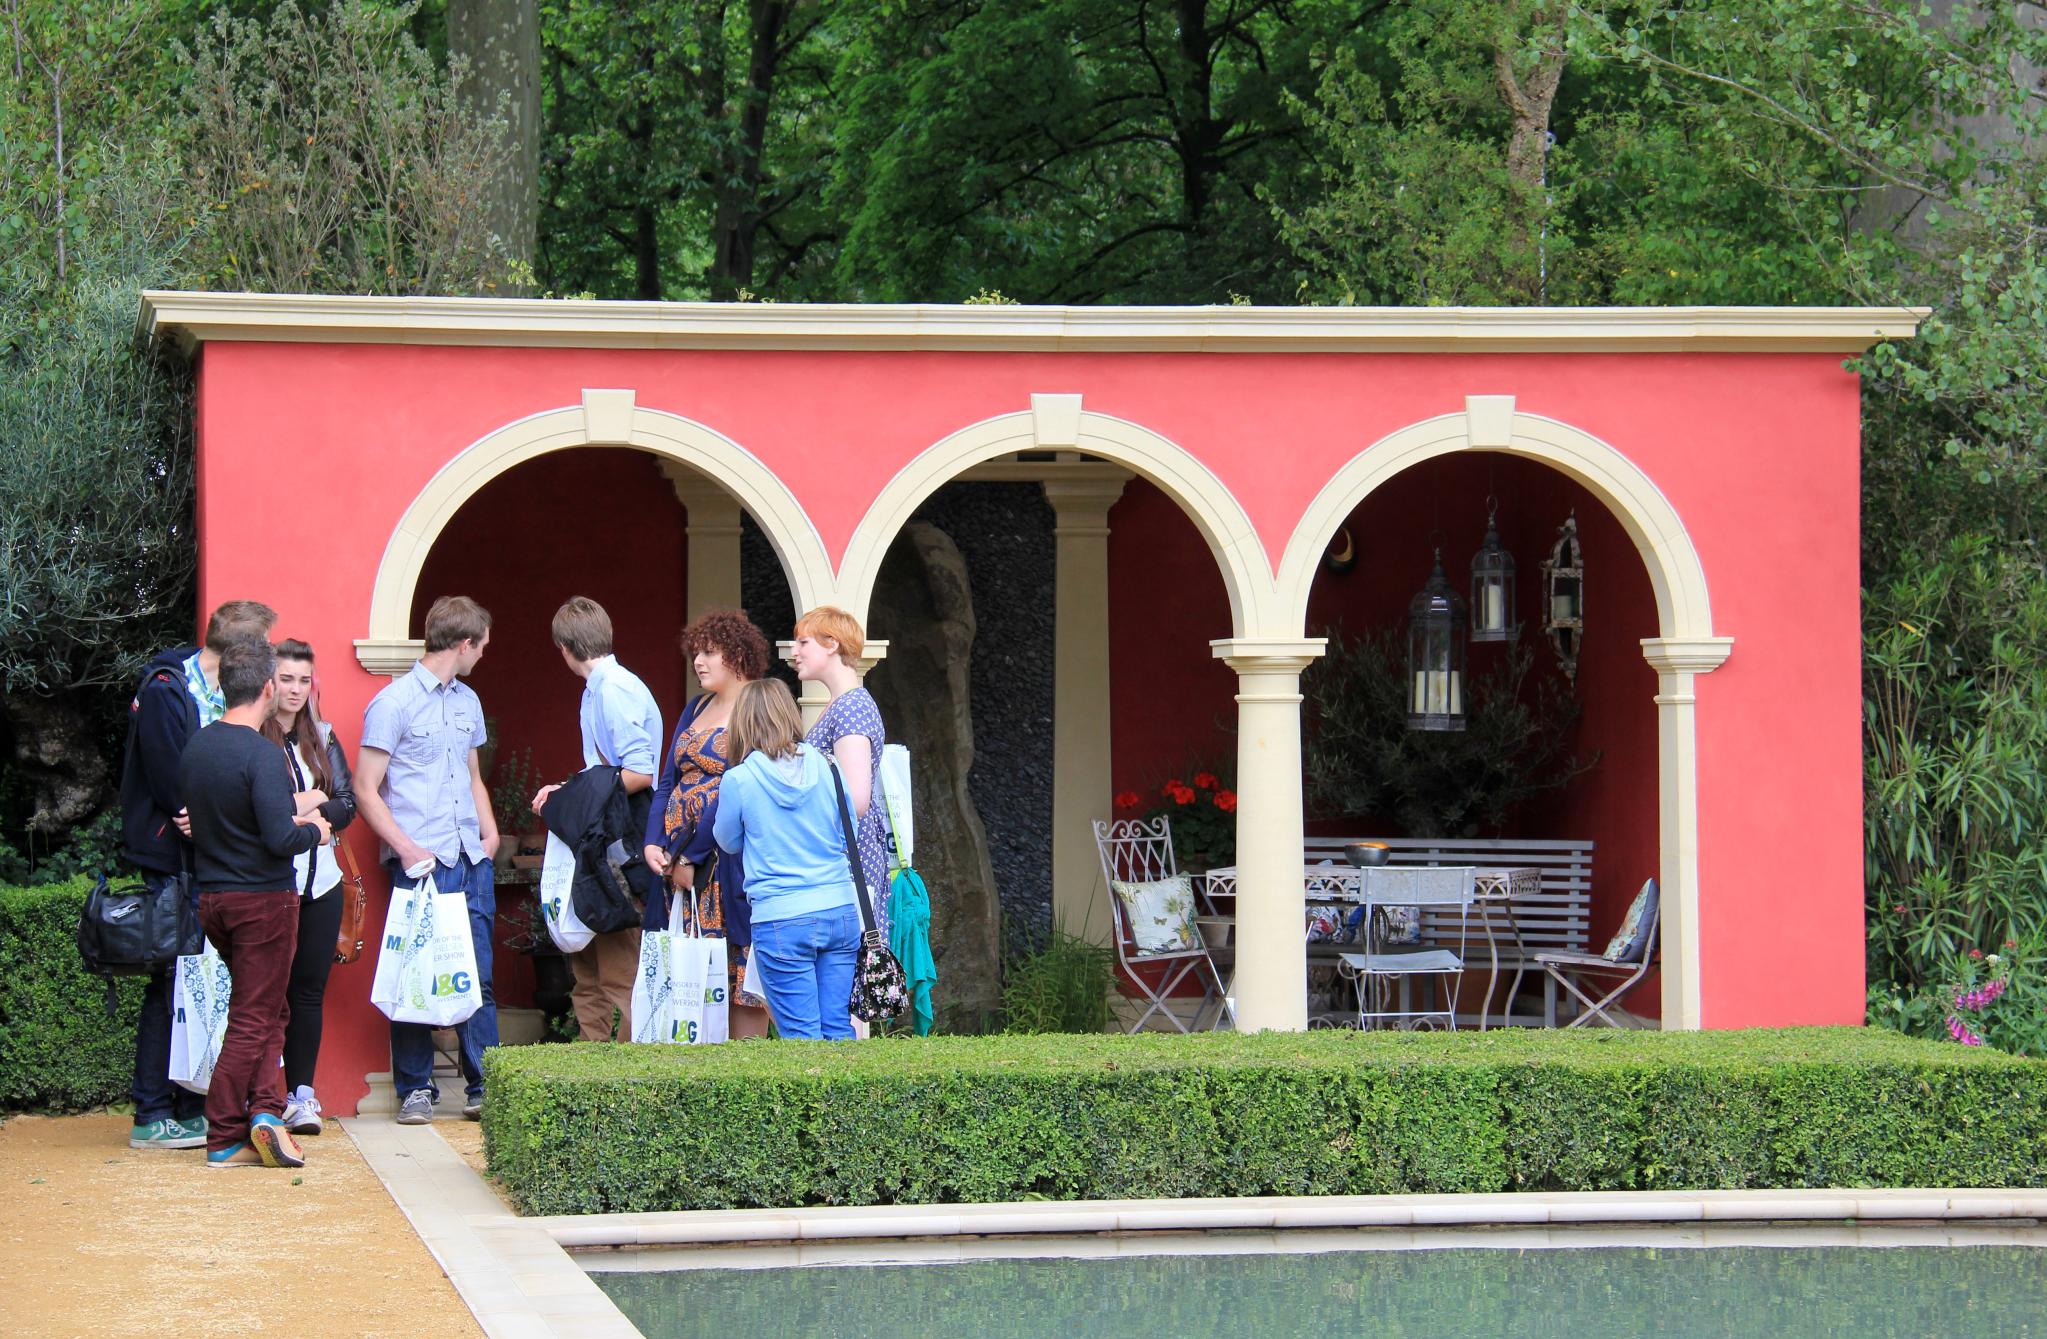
1993	997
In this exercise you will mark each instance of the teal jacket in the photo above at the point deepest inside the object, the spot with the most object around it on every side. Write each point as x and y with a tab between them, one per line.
909	938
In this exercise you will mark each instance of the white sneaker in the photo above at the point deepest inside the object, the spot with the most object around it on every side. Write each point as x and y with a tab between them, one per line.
302	1112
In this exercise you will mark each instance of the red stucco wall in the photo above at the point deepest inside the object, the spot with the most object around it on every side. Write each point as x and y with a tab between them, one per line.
1757	453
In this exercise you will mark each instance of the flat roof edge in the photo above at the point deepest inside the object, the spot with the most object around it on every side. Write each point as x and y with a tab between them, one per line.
193	318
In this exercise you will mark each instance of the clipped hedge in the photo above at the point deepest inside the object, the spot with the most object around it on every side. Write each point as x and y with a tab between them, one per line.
606	1128
58	1048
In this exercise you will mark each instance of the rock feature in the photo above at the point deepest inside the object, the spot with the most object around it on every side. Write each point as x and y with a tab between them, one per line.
924	606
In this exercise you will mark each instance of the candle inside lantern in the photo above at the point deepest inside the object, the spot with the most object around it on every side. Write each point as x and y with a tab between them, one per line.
1495	615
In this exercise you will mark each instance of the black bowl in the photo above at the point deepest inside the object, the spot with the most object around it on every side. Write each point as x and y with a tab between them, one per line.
1361	854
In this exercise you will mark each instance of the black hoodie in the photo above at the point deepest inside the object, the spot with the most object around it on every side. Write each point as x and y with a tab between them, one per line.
162	718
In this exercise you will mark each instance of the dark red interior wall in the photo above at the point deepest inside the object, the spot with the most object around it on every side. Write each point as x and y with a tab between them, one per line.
597	521
1172	704
1166	598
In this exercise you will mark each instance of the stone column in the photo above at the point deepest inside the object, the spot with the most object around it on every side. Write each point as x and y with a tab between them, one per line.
1081	790
712	557
1678	661
1271	983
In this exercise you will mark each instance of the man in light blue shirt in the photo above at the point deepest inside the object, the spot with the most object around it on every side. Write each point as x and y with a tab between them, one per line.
621	728
419	787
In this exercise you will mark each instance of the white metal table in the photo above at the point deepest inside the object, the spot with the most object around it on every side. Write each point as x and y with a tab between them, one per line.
1492	886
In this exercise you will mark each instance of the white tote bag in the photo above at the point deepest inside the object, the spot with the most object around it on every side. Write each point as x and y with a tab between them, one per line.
199	1003
679	993
895	802
426	968
557	903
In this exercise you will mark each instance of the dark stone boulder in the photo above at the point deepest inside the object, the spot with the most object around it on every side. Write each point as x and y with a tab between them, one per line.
923	606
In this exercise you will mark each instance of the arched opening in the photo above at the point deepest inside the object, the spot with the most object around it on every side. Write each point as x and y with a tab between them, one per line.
1031	644
1546	755
1684	643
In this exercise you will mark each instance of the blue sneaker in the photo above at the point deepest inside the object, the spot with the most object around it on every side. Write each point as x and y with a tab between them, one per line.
237	1154
274	1143
166	1134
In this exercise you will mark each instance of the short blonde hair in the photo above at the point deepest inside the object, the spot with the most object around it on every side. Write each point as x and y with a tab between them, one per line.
583	628
764	719
832	624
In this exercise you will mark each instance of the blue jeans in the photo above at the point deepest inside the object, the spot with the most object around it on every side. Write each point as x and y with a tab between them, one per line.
412	1044
804	967
155	1096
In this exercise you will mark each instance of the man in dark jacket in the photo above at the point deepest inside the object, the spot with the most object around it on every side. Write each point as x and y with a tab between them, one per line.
179	695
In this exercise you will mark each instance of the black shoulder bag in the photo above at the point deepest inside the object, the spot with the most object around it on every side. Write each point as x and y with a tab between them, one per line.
131	931
879	987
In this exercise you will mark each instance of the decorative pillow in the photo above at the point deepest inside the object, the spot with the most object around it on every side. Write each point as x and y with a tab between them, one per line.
1633	936
1161	913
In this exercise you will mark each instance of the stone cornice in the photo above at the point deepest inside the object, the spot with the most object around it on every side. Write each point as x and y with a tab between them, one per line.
1686	655
190	319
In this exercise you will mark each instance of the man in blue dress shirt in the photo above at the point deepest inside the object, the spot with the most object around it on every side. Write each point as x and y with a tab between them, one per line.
621	728
419	787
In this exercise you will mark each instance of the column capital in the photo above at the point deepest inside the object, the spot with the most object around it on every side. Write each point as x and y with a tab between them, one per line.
1686	655
1085	487
1269	655
706	500
391	656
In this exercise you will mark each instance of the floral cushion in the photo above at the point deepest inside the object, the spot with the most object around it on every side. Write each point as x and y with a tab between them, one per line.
1633	936
1161	913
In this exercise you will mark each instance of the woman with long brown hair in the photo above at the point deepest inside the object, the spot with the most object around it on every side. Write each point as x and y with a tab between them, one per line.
319	769
727	651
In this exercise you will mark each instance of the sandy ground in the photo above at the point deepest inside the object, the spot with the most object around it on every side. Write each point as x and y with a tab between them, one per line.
97	1238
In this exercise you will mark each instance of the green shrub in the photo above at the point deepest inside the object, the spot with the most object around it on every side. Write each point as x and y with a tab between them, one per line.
1061	987
592	1128
58	1048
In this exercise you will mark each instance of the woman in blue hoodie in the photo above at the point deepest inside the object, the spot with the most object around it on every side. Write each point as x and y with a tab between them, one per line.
780	807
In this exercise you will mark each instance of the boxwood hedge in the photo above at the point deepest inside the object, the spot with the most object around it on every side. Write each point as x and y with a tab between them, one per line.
608	1128
58	1048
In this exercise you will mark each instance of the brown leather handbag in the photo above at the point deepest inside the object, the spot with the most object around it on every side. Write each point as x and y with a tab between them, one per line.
354	906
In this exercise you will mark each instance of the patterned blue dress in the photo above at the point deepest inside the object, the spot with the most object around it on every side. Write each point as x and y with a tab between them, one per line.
855	714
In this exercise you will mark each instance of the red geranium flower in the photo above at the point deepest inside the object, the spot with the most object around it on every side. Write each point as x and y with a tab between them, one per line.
1975	952
1226	800
1182	795
1128	799
1205	780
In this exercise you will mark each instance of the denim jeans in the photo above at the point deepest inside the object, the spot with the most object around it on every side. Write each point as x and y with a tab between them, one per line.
155	1096
412	1044
804	966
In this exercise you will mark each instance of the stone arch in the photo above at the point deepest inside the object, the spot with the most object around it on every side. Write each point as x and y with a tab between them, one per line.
1686	647
605	418
1056	422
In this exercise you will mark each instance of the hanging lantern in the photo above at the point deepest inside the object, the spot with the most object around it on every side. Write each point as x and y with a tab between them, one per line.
1563	607
1435	655
1492	586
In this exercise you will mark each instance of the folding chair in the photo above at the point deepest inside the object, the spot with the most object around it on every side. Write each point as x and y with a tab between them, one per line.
1561	967
1134	851
1436	892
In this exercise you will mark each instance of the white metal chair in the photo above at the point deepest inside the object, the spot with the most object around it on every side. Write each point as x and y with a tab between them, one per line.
1569	969
1443	895
1136	851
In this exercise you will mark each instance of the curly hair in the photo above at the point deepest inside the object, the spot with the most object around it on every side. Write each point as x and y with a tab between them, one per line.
732	635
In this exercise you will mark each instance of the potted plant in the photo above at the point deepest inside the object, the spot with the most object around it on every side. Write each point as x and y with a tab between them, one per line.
513	779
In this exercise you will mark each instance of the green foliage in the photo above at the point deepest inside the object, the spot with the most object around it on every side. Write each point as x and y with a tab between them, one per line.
586	1129
93	847
1062	986
329	153
1955	706
1361	760
1996	998
1203	815
58	1048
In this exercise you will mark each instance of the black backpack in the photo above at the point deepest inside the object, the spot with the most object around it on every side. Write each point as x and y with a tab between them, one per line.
131	931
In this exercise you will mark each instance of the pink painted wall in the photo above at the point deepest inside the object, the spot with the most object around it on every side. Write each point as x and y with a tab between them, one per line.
1757	453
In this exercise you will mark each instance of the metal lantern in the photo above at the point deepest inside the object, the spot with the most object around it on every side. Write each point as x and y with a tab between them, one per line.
1435	655
1492	585
1563	607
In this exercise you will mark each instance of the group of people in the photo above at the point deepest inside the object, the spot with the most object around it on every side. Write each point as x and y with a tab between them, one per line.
234	786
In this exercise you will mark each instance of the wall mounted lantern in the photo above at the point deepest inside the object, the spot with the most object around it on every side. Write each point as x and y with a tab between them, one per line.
1563	610
1435	655
1492	585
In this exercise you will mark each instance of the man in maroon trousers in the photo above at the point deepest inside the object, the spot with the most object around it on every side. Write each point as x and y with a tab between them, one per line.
247	824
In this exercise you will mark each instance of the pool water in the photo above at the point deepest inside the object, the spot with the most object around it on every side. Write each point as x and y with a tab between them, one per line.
1572	1285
